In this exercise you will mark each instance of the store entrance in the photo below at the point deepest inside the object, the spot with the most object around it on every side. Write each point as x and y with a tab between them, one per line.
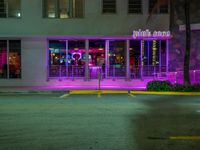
97	59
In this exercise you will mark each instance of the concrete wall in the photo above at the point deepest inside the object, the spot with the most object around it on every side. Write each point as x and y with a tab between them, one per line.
94	22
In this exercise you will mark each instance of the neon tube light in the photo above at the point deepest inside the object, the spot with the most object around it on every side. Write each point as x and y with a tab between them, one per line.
147	33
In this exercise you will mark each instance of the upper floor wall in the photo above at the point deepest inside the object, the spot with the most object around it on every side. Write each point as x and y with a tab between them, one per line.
94	23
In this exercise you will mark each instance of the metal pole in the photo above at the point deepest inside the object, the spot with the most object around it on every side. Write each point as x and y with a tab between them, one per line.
114	72
72	72
194	73
160	57
47	60
60	73
99	79
66	64
86	60
167	56
141	59
148	58
107	65
127	60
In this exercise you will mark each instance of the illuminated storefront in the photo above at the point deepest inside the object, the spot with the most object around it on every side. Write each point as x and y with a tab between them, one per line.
144	54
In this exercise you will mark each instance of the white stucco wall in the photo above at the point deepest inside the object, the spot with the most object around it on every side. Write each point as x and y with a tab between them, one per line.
94	22
32	29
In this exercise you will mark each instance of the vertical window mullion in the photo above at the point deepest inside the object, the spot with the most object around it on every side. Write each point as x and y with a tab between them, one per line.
6	1
57	11
73	3
109	6
66	64
134	6
8	72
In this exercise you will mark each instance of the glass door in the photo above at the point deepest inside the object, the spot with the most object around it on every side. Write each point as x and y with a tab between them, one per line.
96	59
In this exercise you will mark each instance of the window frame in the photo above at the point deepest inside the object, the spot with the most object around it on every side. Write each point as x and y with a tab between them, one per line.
7	11
140	13
108	13
7	58
57	16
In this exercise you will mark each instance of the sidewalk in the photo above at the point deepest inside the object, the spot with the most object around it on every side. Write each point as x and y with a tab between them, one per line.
58	89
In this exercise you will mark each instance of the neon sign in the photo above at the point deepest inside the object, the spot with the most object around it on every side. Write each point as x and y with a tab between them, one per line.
154	52
76	56
147	33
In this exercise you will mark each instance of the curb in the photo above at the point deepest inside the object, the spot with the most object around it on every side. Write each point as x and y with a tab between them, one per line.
166	93
102	92
34	92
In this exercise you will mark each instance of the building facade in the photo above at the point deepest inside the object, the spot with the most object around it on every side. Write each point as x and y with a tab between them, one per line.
63	42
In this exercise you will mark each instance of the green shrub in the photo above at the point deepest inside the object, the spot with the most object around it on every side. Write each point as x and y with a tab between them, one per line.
167	86
182	88
159	86
195	87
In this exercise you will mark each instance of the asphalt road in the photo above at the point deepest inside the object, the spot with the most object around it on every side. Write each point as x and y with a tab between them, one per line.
111	122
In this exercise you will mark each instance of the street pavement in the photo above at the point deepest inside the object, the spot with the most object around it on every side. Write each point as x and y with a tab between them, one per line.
109	122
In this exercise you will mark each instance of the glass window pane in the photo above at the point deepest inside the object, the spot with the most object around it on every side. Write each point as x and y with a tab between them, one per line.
3	59
64	9
76	58
109	6
78	6
163	55
50	8
135	58
135	6
57	58
117	59
2	9
14	59
14	9
151	58
96	58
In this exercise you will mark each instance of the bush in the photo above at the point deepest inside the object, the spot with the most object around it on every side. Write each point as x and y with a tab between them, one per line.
182	88
159	86
187	88
196	87
167	86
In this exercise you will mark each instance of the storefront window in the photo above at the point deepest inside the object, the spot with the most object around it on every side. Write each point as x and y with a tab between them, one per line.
67	58
117	59
10	8
163	56
135	58
63	8
14	59
151	58
3	59
76	58
10	59
57	58
97	58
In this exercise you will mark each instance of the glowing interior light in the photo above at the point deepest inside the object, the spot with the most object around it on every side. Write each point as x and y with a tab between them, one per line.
148	33
18	14
51	15
154	52
76	49
101	49
73	54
